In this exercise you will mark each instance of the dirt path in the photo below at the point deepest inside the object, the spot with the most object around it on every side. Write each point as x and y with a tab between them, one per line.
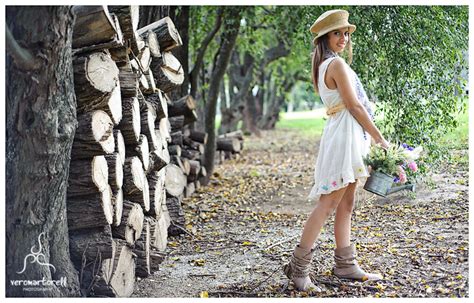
244	225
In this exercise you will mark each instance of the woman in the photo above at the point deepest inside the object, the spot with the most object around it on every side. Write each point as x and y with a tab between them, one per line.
345	141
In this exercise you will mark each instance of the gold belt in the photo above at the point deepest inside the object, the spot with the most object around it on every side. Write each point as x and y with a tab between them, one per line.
335	109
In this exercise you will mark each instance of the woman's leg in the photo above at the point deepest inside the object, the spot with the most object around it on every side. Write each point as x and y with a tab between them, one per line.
346	265
317	218
300	263
342	222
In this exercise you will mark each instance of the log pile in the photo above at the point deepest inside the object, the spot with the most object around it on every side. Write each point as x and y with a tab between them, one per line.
134	158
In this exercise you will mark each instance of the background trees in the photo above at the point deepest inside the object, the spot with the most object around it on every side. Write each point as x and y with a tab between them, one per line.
409	59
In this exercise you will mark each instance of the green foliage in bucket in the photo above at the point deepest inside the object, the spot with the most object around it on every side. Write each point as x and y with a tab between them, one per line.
384	160
394	160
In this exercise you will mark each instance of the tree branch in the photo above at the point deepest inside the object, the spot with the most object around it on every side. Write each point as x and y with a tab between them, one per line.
22	57
193	75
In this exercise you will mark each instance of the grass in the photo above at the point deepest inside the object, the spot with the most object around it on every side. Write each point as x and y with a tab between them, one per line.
308	123
459	135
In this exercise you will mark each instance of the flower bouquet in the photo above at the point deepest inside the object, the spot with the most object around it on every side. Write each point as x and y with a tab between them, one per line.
389	166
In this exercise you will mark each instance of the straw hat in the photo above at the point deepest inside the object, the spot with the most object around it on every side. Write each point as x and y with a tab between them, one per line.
331	20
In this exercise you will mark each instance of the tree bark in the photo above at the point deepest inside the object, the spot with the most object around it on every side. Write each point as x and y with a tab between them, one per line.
176	213
40	126
94	26
142	251
228	144
130	125
198	136
119	145
87	176
128	17
150	14
88	243
229	37
159	103
94	210
115	166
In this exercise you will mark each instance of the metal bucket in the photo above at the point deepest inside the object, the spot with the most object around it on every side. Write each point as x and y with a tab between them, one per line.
379	183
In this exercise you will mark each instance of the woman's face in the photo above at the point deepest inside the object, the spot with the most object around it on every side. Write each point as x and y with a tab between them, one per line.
337	39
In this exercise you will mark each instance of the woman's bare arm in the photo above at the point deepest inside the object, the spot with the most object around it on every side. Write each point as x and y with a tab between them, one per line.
338	71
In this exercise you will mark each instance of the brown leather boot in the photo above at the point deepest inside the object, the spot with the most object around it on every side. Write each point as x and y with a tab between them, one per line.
297	270
347	267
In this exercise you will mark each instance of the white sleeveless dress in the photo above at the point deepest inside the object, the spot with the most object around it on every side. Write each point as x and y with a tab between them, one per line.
344	142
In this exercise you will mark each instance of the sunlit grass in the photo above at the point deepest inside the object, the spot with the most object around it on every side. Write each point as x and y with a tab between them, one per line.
308	123
460	135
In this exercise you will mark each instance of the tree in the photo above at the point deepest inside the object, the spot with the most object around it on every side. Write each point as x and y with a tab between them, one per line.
410	58
228	39
40	124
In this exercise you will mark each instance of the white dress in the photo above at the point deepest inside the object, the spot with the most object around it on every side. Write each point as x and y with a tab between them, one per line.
344	142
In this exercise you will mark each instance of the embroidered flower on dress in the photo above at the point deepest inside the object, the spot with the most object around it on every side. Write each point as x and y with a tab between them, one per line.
334	183
360	170
325	187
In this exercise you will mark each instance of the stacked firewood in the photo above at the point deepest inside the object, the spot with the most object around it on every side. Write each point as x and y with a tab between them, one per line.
134	157
116	203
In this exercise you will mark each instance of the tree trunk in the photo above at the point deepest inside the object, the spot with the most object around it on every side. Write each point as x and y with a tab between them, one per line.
168	72
119	145
183	106
40	126
198	63
229	37
115	166
128	81
88	243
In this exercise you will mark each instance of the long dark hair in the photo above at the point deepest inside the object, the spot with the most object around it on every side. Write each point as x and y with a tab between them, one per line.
322	52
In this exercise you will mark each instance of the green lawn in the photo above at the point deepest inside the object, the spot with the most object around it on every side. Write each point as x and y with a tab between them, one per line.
461	133
309	123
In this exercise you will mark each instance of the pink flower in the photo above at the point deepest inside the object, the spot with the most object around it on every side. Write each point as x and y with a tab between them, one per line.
402	175
334	183
413	166
403	178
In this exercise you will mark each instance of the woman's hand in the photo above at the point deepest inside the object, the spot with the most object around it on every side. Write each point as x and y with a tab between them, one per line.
383	143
